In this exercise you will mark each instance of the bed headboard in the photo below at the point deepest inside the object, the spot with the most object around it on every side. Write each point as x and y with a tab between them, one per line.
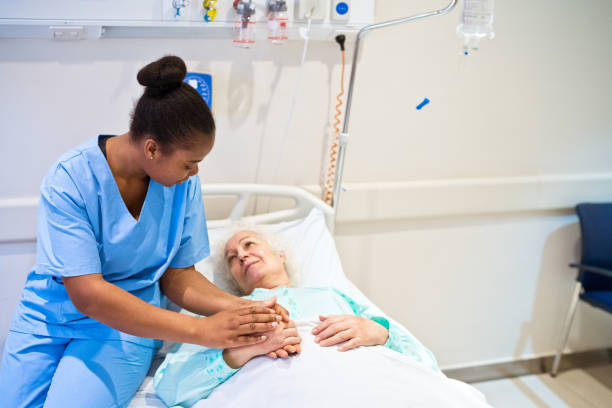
304	202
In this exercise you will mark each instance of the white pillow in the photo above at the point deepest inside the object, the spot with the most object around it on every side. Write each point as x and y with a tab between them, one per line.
311	244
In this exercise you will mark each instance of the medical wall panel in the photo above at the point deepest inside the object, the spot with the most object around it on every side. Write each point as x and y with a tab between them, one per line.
161	19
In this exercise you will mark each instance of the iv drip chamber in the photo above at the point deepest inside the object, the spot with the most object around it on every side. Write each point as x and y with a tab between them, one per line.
244	23
475	24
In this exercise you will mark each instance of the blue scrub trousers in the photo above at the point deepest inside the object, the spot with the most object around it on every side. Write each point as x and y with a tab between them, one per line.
53	372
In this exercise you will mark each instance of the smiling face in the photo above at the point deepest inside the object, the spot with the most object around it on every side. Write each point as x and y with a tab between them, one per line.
253	263
174	166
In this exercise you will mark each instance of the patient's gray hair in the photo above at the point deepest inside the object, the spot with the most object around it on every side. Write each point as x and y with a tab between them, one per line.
276	241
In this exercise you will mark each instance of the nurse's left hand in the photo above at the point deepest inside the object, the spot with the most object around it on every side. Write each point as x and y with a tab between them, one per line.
270	303
353	331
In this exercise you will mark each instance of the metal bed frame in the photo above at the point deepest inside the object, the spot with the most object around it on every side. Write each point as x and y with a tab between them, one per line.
304	202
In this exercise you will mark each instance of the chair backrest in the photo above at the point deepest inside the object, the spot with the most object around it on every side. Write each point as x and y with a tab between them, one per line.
596	230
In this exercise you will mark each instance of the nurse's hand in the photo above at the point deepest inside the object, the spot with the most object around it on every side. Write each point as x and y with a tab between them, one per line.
240	327
354	331
271	303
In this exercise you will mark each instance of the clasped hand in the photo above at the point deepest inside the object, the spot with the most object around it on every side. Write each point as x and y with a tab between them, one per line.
280	342
243	326
284	340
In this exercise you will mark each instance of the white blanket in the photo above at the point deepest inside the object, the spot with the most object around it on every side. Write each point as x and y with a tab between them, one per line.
325	377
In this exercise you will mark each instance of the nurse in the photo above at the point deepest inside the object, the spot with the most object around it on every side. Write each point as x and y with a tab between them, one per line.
121	224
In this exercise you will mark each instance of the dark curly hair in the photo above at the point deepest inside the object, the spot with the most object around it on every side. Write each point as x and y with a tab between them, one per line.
170	111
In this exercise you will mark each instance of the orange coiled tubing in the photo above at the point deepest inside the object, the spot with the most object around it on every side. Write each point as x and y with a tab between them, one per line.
331	170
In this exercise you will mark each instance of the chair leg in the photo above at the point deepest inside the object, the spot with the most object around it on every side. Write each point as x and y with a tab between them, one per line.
566	329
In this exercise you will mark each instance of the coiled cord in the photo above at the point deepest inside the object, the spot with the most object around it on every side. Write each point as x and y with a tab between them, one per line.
331	170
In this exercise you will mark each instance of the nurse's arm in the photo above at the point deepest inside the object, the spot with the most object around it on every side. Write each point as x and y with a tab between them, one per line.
189	289
119	309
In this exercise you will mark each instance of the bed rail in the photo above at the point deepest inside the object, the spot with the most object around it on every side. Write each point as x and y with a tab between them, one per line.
304	202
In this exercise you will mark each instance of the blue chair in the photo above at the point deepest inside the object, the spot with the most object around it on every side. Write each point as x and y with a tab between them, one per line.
594	280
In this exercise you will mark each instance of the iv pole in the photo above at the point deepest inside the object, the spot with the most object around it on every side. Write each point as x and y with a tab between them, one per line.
343	137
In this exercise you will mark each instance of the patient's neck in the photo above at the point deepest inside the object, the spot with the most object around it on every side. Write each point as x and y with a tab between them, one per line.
277	282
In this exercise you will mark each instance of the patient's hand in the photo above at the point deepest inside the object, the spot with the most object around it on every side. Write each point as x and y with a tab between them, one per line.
286	351
284	337
354	330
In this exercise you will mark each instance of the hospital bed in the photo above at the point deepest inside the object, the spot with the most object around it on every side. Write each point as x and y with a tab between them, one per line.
306	225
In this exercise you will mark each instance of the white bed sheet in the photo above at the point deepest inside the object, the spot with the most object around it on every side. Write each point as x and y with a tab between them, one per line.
324	377
361	378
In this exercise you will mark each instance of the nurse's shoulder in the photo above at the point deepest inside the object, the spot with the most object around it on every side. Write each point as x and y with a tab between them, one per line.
193	187
68	175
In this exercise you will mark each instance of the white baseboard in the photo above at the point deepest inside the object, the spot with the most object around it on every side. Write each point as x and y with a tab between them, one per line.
542	363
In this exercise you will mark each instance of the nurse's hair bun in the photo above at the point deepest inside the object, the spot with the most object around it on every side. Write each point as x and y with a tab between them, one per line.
170	111
163	75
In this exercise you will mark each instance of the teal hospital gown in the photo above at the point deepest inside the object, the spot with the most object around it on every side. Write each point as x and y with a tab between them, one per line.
191	372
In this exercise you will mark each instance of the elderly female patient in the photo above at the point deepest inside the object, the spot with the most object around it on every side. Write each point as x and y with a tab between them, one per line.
259	271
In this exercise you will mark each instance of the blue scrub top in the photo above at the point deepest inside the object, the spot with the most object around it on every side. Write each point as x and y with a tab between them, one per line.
84	228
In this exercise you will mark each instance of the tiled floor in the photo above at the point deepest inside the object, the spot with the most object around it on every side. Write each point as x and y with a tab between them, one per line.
578	388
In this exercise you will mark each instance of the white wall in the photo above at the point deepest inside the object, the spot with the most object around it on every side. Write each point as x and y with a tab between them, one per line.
456	218
479	269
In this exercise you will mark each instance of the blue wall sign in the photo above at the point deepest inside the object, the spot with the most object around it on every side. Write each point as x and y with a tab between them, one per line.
201	83
342	8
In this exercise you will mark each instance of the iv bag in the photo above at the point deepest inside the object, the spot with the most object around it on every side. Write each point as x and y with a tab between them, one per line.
476	23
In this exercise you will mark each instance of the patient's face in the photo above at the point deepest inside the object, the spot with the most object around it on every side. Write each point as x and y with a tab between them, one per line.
253	263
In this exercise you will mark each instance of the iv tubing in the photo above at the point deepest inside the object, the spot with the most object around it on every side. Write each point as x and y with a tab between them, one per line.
347	113
298	86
